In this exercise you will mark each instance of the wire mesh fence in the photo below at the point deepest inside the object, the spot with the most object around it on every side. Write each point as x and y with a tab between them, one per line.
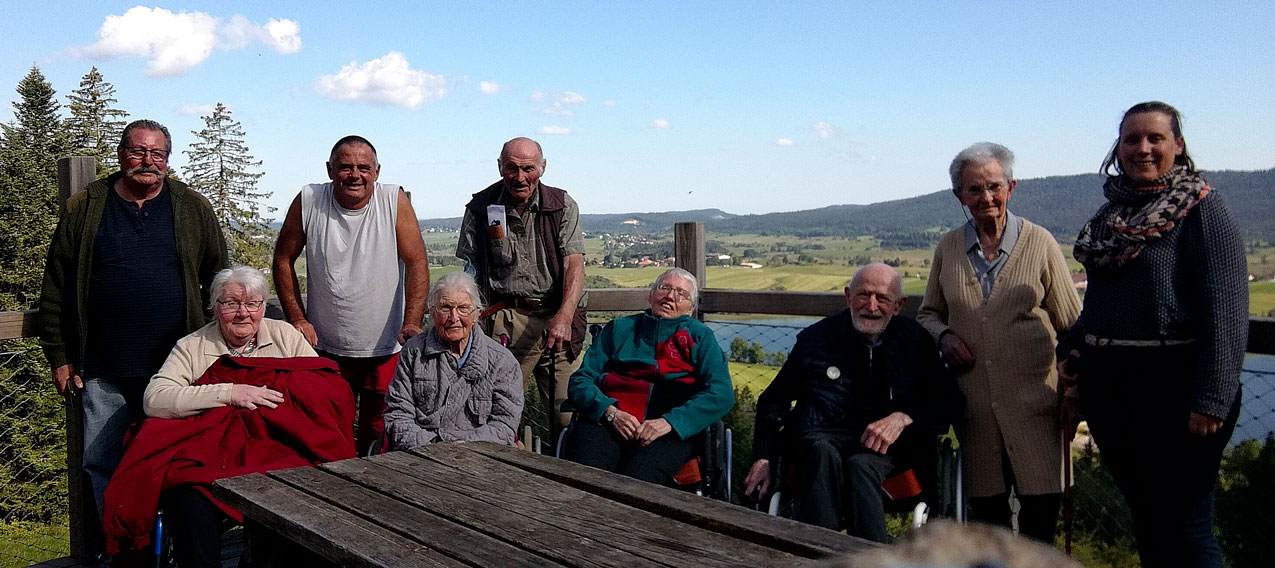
33	490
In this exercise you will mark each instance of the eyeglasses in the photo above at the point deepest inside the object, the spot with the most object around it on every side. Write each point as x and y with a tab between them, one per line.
462	311
680	293
234	306
138	153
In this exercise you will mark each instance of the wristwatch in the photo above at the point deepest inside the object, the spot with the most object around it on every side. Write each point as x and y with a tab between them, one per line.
609	416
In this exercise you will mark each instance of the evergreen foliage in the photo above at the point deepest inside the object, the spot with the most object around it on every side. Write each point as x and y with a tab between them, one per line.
32	440
220	168
95	125
29	153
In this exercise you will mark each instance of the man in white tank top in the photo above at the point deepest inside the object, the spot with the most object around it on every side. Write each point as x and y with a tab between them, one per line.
366	274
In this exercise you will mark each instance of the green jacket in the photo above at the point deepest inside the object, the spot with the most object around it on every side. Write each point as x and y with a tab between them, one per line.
654	367
63	316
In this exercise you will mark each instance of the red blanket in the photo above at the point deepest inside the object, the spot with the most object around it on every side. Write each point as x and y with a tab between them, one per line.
313	425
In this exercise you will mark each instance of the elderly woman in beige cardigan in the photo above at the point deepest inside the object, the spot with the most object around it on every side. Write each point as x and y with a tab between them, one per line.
998	297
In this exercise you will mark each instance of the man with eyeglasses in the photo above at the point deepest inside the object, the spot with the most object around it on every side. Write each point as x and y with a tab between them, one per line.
366	274
127	275
521	240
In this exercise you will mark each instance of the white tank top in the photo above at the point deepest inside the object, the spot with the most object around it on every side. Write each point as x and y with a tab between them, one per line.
354	277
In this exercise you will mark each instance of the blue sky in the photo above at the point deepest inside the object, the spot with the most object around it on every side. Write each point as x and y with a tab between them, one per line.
652	106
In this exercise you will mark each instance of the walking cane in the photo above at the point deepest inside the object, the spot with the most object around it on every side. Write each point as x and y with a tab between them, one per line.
1069	432
548	368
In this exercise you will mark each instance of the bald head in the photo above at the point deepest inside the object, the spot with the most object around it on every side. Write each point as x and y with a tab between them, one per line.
874	295
521	164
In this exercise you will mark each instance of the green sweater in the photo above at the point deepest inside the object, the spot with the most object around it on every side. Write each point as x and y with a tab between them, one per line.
690	384
63	316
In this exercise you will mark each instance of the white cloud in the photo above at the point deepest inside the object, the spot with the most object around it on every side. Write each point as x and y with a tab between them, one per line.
608	103
173	43
537	95
194	109
387	80
785	142
489	87
659	123
824	130
554	130
570	98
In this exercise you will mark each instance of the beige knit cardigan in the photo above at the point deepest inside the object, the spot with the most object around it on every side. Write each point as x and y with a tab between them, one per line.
1011	391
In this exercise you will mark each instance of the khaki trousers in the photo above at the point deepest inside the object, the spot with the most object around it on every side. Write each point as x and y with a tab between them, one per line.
526	332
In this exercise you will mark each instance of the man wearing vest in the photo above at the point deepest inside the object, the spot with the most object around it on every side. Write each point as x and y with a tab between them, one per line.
521	239
366	274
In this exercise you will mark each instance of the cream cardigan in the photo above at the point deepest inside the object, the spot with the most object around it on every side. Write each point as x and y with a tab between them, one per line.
1011	391
169	394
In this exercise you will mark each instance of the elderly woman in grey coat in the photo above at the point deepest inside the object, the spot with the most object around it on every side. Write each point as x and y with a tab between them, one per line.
453	384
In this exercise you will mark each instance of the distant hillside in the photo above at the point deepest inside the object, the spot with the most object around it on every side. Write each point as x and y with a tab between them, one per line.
1061	204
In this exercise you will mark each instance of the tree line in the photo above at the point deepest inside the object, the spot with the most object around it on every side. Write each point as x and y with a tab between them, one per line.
88	122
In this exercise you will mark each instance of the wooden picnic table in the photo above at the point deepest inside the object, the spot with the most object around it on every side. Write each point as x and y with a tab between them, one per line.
481	504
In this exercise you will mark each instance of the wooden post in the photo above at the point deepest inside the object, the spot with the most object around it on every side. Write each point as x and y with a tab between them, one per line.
74	173
688	249
688	253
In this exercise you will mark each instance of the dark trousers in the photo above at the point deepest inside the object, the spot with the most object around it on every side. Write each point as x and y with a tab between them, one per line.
1137	401
1037	514
839	478
600	446
195	525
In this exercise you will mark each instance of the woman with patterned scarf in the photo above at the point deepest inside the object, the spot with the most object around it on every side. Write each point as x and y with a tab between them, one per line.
1155	358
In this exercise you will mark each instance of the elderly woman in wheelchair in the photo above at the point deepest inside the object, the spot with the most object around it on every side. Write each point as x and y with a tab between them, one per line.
649	383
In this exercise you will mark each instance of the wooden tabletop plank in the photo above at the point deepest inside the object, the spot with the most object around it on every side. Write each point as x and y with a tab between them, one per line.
491	519
640	532
344	538
410	522
752	526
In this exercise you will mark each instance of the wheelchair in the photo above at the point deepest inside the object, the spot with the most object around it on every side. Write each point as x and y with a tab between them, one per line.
708	471
923	486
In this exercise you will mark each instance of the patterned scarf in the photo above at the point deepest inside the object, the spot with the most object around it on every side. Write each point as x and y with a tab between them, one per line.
1133	217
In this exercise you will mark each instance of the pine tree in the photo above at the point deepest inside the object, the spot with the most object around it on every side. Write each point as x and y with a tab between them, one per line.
29	152
32	439
219	168
95	124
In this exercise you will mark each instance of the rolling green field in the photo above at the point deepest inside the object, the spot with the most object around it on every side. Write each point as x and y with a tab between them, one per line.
827	268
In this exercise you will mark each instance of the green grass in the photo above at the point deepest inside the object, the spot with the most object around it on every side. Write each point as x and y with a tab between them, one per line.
23	544
1261	298
754	376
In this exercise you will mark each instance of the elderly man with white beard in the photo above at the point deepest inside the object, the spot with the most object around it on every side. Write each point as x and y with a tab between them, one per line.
871	392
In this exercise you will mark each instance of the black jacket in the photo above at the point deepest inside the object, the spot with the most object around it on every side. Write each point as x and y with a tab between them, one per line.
841	383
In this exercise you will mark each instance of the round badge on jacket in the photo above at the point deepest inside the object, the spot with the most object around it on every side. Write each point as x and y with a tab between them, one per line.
833	372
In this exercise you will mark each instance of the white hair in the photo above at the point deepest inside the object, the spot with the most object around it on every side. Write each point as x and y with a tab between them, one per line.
252	280
981	153
459	281
680	273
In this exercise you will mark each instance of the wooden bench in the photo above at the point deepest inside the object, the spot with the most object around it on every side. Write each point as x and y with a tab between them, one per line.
487	505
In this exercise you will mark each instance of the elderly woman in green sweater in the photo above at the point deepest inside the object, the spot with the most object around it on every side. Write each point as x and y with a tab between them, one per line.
998	296
648	384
